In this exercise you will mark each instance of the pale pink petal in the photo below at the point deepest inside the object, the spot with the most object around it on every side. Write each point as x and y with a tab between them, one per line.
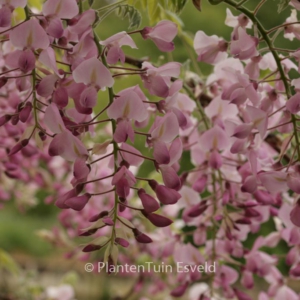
53	120
274	182
14	3
259	119
26	61
29	35
85	20
161	153
64	9
175	151
47	58
132	159
128	106
46	87
123	131
293	104
55	28
92	71
88	97
214	138
167	128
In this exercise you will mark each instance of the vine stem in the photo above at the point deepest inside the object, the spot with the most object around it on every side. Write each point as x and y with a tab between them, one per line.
115	146
265	37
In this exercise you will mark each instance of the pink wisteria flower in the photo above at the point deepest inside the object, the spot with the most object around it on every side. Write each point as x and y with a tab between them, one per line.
114	44
162	35
158	80
210	49
29	35
244	45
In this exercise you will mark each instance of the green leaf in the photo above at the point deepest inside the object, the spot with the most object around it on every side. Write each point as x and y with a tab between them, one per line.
215	2
154	10
7	262
282	5
90	2
178	5
130	12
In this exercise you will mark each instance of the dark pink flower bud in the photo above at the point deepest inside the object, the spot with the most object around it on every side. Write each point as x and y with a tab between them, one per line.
91	248
263	197
79	202
293	182
4	119
122	242
149	203
295	271
244	221
108	221
197	210
170	177
25	112
250	185
179	291
295	214
42	135
5	16
29	151
98	216
3	81
161	153
157	220
63	41
89	232
141	237
19	146
15	119
60	97
26	61
247	280
200	184
166	195
251	213
215	160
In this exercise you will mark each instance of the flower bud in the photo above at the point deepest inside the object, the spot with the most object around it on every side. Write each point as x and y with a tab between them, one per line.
19	146
141	237
4	119
149	203
200	184
157	220
79	202
25	112
122	242
3	81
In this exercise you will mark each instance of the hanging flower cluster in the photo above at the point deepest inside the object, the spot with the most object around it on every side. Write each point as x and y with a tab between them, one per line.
60	109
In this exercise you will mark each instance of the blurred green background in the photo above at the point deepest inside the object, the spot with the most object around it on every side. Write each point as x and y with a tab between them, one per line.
17	230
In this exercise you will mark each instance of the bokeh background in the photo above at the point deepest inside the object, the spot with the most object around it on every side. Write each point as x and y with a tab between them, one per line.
36	262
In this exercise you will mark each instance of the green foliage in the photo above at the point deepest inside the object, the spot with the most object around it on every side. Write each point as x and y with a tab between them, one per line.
130	12
282	5
215	2
160	9
178	5
7	262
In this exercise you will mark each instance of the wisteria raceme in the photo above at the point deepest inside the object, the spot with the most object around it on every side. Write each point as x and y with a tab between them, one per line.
238	128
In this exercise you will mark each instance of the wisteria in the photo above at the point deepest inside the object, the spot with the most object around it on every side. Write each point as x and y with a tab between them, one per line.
66	128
